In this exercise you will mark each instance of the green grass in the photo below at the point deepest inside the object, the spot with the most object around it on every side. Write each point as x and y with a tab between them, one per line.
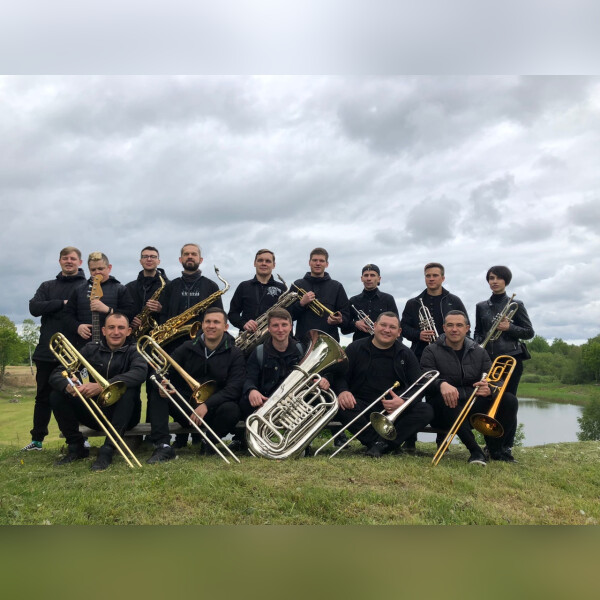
559	392
553	484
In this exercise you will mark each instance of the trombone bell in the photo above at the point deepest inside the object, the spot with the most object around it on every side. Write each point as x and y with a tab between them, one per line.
486	425
383	426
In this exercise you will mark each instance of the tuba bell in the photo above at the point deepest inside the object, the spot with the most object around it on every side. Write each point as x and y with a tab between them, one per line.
298	409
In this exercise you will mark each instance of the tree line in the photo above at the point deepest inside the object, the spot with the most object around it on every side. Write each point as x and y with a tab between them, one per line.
16	349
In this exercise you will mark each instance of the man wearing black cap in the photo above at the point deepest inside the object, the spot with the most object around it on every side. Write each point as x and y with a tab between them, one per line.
371	301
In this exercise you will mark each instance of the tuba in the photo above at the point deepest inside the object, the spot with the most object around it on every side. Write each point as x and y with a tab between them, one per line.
298	409
248	340
176	327
147	321
508	312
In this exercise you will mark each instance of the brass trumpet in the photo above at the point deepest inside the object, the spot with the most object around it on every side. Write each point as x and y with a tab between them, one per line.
317	307
384	425
363	316
508	312
499	369
73	361
160	362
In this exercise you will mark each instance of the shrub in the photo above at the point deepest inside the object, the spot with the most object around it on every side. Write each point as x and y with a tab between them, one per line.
589	422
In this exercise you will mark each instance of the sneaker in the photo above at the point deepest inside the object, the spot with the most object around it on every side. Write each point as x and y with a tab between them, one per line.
340	440
75	452
238	445
162	454
181	441
503	456
32	446
477	458
86	444
378	449
103	460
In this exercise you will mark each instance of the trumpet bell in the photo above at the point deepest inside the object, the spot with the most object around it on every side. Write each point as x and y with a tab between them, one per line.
383	426
486	425
111	394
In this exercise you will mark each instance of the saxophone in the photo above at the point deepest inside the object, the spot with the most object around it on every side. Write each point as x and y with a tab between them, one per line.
176	326
147	321
248	340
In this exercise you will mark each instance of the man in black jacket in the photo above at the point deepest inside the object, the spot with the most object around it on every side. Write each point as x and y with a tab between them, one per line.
371	301
461	364
319	287
255	296
49	302
374	364
114	360
79	308
147	283
211	356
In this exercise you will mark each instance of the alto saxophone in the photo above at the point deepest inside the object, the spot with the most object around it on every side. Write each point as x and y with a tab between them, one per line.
147	322
248	340
176	326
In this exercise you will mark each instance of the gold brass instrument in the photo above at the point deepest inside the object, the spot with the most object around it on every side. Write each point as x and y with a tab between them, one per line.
363	316
160	362
381	423
248	340
508	312
317	307
498	371
73	361
298	409
176	327
426	321
147	322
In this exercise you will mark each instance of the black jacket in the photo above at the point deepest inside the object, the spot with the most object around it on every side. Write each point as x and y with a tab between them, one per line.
371	303
226	366
410	316
49	303
508	342
125	364
266	375
198	291
406	366
253	298
142	289
461	374
329	292
77	310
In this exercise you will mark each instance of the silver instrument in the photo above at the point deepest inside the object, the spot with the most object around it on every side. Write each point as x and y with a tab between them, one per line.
383	423
363	316
248	340
298	409
426	321
508	312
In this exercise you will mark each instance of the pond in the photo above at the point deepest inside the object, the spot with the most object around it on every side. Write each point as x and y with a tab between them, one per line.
543	422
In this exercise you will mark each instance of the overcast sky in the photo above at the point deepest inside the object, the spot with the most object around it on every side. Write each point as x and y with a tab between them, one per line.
470	171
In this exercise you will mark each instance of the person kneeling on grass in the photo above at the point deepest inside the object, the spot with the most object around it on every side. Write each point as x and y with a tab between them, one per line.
115	360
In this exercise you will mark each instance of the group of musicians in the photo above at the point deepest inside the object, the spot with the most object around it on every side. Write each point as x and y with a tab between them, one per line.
245	377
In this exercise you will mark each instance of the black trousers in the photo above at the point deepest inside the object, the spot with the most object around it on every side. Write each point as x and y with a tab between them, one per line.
416	416
70	412
221	419
42	410
445	417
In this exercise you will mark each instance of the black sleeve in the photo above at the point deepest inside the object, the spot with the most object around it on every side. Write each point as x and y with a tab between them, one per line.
125	303
480	331
41	304
428	363
521	328
409	321
235	308
253	373
137	371
236	375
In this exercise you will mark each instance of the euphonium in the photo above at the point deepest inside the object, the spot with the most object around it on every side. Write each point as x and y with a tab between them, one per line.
508	312
427	322
248	340
298	409
73	361
146	321
176	326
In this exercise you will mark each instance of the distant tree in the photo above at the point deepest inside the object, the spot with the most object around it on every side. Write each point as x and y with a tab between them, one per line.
31	336
589	422
590	355
11	346
538	344
560	347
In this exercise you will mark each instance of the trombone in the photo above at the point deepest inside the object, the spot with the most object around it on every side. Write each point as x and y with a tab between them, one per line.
317	307
160	362
73	361
485	424
420	384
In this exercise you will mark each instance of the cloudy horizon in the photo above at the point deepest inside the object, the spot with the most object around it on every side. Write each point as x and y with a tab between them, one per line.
469	171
